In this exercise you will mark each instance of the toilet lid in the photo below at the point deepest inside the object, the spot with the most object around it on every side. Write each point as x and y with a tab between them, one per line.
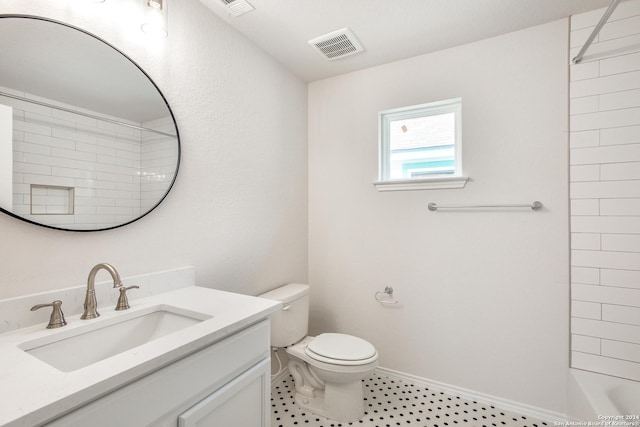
341	347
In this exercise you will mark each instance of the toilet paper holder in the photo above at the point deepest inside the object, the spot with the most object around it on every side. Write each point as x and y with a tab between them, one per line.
388	300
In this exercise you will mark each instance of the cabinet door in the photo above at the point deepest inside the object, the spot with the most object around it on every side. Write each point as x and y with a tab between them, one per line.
244	402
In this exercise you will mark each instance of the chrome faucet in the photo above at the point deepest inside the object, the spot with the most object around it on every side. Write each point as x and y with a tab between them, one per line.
90	302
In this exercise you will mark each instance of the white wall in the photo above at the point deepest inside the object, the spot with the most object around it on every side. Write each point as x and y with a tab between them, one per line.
484	294
605	194
238	210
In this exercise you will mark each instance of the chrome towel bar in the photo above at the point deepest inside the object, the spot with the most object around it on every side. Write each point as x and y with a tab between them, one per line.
536	206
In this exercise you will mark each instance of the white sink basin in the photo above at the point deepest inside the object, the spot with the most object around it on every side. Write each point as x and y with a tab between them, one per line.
100	339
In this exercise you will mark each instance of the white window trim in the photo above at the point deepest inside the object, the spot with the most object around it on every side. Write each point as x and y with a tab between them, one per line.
422	184
457	180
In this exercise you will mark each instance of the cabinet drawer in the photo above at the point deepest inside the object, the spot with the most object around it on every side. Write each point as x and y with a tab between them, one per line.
244	402
176	387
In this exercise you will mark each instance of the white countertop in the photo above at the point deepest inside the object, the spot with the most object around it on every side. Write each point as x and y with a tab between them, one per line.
32	392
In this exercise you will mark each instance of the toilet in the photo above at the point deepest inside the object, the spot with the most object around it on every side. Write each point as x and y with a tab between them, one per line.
327	369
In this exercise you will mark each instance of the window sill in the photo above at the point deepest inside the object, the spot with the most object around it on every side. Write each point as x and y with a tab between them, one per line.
422	184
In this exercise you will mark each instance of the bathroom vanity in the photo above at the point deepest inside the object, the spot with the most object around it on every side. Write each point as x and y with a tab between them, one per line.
189	357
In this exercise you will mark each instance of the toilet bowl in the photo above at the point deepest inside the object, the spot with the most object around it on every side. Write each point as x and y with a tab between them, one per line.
328	369
327	386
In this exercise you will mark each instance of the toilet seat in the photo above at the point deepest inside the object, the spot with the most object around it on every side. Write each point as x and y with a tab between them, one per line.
341	349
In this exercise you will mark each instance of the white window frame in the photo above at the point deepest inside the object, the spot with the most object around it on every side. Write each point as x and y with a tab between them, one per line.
455	180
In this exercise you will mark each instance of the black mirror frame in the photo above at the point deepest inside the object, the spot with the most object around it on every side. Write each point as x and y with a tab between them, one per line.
175	175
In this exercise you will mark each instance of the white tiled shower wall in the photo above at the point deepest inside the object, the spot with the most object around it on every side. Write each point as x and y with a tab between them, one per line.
116	172
157	162
605	194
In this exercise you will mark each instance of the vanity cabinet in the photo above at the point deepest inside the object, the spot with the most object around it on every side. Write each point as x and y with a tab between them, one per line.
225	384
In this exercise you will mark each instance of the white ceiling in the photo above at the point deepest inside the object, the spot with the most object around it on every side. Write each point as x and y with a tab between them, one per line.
389	29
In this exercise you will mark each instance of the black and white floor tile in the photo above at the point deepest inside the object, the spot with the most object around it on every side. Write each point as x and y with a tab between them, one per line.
390	402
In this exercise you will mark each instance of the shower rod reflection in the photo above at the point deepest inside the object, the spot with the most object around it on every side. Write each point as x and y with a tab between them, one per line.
91	116
536	206
607	13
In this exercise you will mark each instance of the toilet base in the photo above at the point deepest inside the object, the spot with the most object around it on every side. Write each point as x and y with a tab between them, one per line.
340	402
314	404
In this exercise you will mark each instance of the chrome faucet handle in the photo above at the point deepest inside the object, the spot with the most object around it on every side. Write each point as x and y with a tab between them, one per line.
57	316
123	301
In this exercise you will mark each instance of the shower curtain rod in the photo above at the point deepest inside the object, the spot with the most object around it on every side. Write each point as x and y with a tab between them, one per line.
596	30
91	116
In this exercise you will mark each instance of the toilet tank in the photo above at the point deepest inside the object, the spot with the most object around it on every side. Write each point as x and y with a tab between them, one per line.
290	324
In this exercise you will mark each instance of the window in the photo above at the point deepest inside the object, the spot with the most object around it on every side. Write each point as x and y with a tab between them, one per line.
420	147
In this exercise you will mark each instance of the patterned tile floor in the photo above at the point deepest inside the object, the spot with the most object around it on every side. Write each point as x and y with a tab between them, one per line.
390	402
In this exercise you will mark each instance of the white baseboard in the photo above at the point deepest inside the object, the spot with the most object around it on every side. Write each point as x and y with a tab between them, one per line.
509	405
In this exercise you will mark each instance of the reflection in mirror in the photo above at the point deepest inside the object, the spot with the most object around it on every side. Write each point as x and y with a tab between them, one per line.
87	141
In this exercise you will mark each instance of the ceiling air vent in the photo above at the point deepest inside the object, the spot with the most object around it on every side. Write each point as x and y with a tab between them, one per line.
337	44
237	7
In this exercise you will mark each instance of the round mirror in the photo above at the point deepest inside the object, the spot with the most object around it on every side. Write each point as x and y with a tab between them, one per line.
87	141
